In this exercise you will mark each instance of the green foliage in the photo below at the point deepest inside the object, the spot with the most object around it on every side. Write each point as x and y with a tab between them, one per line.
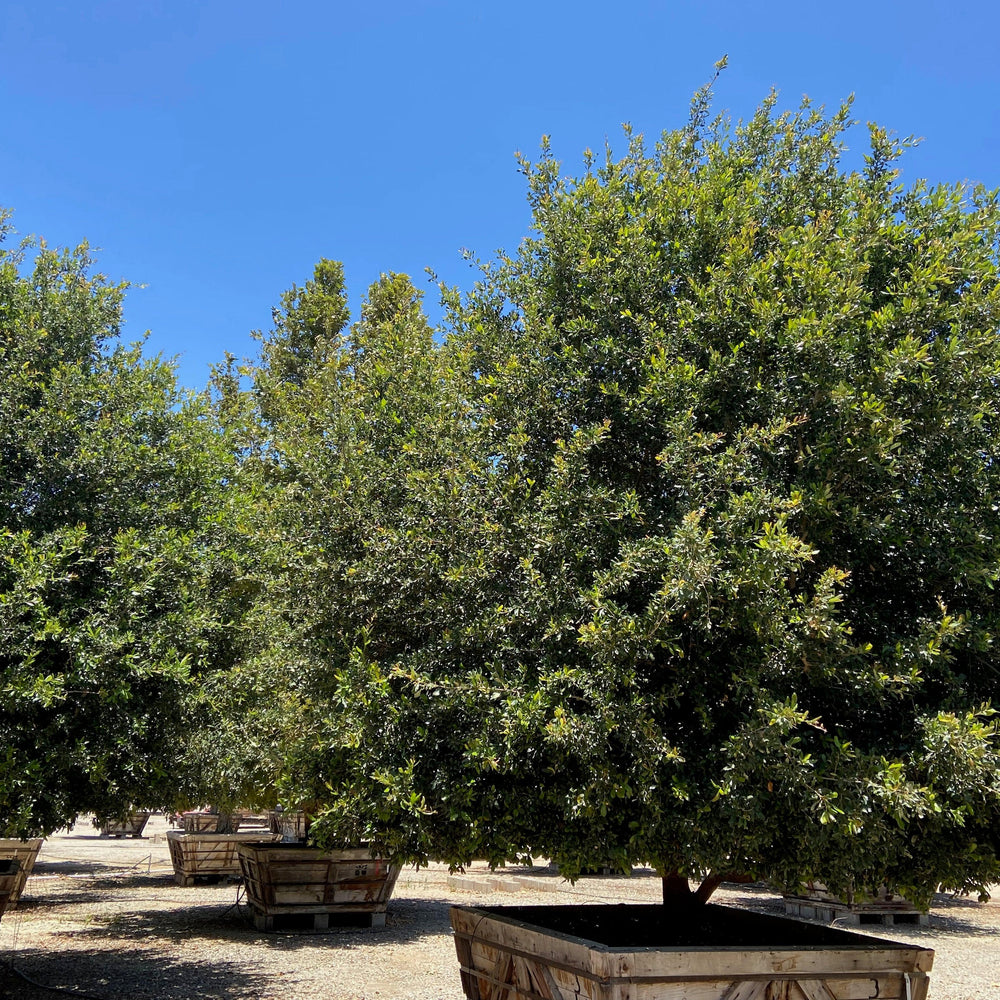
345	467
681	546
113	566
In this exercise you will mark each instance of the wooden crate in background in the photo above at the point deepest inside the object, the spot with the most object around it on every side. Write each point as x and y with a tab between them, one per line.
131	826
285	880
26	853
200	822
292	825
207	855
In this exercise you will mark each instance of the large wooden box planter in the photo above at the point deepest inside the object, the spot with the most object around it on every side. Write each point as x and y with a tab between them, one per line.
10	872
25	852
647	952
283	880
211	855
132	826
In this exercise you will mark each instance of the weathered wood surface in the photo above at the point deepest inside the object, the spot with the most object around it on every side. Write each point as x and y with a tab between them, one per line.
10	873
130	827
195	855
25	852
296	879
503	958
293	826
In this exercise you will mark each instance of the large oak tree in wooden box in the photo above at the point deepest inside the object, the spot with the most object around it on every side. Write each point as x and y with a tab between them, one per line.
678	545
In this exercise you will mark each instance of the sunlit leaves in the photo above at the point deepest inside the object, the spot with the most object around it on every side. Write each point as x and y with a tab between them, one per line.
113	576
678	544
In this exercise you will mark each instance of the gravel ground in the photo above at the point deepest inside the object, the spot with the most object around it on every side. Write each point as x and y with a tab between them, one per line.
103	919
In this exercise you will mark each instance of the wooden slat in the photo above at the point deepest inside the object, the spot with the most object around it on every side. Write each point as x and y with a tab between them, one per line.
746	991
565	952
816	989
808	962
500	978
545	983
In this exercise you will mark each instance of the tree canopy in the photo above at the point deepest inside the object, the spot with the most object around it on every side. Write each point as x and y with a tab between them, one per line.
676	544
114	567
679	545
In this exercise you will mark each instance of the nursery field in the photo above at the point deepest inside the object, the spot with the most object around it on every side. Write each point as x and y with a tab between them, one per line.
103	918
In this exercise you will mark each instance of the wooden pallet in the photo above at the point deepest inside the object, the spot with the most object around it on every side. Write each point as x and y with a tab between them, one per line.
527	953
857	914
25	852
207	855
885	907
288	880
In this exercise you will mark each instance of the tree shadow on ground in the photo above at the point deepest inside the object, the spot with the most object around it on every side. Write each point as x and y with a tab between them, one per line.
406	920
31	903
117	974
94	833
71	867
88	867
69	887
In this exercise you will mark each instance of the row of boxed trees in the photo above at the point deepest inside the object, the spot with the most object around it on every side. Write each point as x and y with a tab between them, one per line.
676	543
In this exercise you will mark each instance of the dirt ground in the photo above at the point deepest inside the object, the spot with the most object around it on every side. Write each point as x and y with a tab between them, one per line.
103	919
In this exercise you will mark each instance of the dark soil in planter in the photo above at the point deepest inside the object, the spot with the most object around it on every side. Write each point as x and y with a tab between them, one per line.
654	926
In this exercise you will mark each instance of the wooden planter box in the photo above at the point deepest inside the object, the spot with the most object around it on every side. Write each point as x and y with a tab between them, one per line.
200	822
10	874
292	825
25	852
645	952
130	827
816	902
206	822
212	855
284	880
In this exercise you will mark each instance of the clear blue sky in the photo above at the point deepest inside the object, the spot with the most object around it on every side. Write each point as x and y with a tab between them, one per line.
215	150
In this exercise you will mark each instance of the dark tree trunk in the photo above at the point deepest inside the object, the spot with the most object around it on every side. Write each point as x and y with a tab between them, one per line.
227	823
677	890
